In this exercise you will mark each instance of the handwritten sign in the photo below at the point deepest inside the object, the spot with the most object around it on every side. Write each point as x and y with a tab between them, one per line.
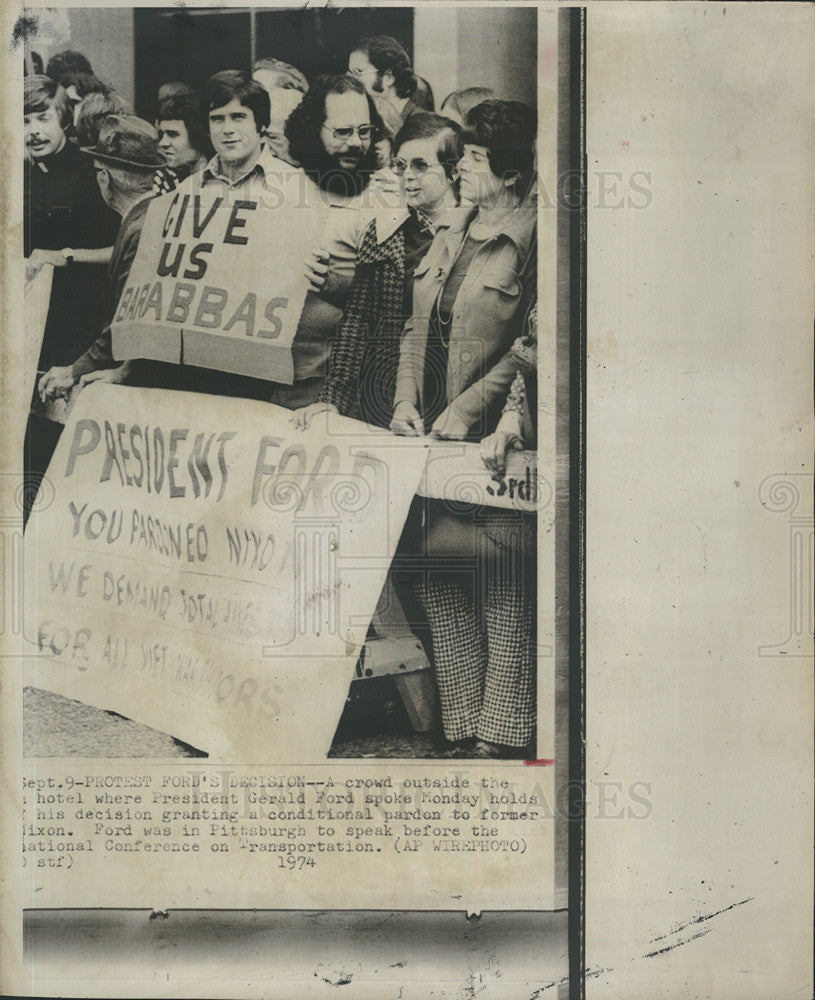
211	571
218	282
456	473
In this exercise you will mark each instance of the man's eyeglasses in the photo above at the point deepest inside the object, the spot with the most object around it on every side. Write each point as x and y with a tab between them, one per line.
345	133
417	167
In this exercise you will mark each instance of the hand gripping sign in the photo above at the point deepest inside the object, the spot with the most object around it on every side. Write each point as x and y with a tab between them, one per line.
210	571
218	282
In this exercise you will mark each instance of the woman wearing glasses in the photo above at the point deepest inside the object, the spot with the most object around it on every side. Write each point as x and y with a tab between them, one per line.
364	359
455	370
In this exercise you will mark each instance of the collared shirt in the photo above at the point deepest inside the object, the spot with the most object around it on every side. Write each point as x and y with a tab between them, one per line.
259	174
519	226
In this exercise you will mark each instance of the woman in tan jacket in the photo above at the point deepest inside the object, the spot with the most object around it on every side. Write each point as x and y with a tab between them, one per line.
467	289
455	371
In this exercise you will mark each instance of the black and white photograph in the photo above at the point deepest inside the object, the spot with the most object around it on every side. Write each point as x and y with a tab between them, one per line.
406	537
296	458
277	206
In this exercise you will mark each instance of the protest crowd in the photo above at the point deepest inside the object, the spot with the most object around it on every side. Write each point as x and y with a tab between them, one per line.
419	316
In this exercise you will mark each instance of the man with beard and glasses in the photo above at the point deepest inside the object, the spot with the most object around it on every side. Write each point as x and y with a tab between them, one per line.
332	134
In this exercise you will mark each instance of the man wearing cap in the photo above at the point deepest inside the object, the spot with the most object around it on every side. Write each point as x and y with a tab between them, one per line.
125	159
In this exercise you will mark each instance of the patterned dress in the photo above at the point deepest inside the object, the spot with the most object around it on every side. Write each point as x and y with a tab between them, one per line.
365	357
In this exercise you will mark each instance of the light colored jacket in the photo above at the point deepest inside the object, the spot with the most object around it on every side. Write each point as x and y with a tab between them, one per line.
480	368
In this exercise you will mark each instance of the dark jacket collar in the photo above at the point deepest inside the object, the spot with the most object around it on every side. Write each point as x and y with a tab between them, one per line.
61	161
136	209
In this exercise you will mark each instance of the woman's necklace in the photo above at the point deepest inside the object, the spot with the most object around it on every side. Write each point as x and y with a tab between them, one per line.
480	228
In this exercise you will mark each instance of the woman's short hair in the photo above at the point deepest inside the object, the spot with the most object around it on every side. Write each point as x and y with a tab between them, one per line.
41	93
507	129
93	110
187	108
234	85
386	54
287	77
304	123
426	125
460	102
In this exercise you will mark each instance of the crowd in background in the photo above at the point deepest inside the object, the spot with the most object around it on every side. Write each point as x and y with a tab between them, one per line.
421	320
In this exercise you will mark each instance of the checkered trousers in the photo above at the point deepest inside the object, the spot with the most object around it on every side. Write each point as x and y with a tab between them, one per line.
484	658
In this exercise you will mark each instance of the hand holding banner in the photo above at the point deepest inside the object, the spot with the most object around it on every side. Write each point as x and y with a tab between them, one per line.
212	578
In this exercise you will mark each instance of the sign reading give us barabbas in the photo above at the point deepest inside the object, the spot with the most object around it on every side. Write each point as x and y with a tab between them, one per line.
218	282
211	571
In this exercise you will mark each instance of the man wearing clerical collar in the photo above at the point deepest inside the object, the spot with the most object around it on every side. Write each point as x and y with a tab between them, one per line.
64	218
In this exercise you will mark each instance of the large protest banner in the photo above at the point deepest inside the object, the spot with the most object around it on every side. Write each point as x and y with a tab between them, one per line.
218	281
210	576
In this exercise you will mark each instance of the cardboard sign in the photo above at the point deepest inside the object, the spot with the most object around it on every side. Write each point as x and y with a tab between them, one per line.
456	473
210	570
218	281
